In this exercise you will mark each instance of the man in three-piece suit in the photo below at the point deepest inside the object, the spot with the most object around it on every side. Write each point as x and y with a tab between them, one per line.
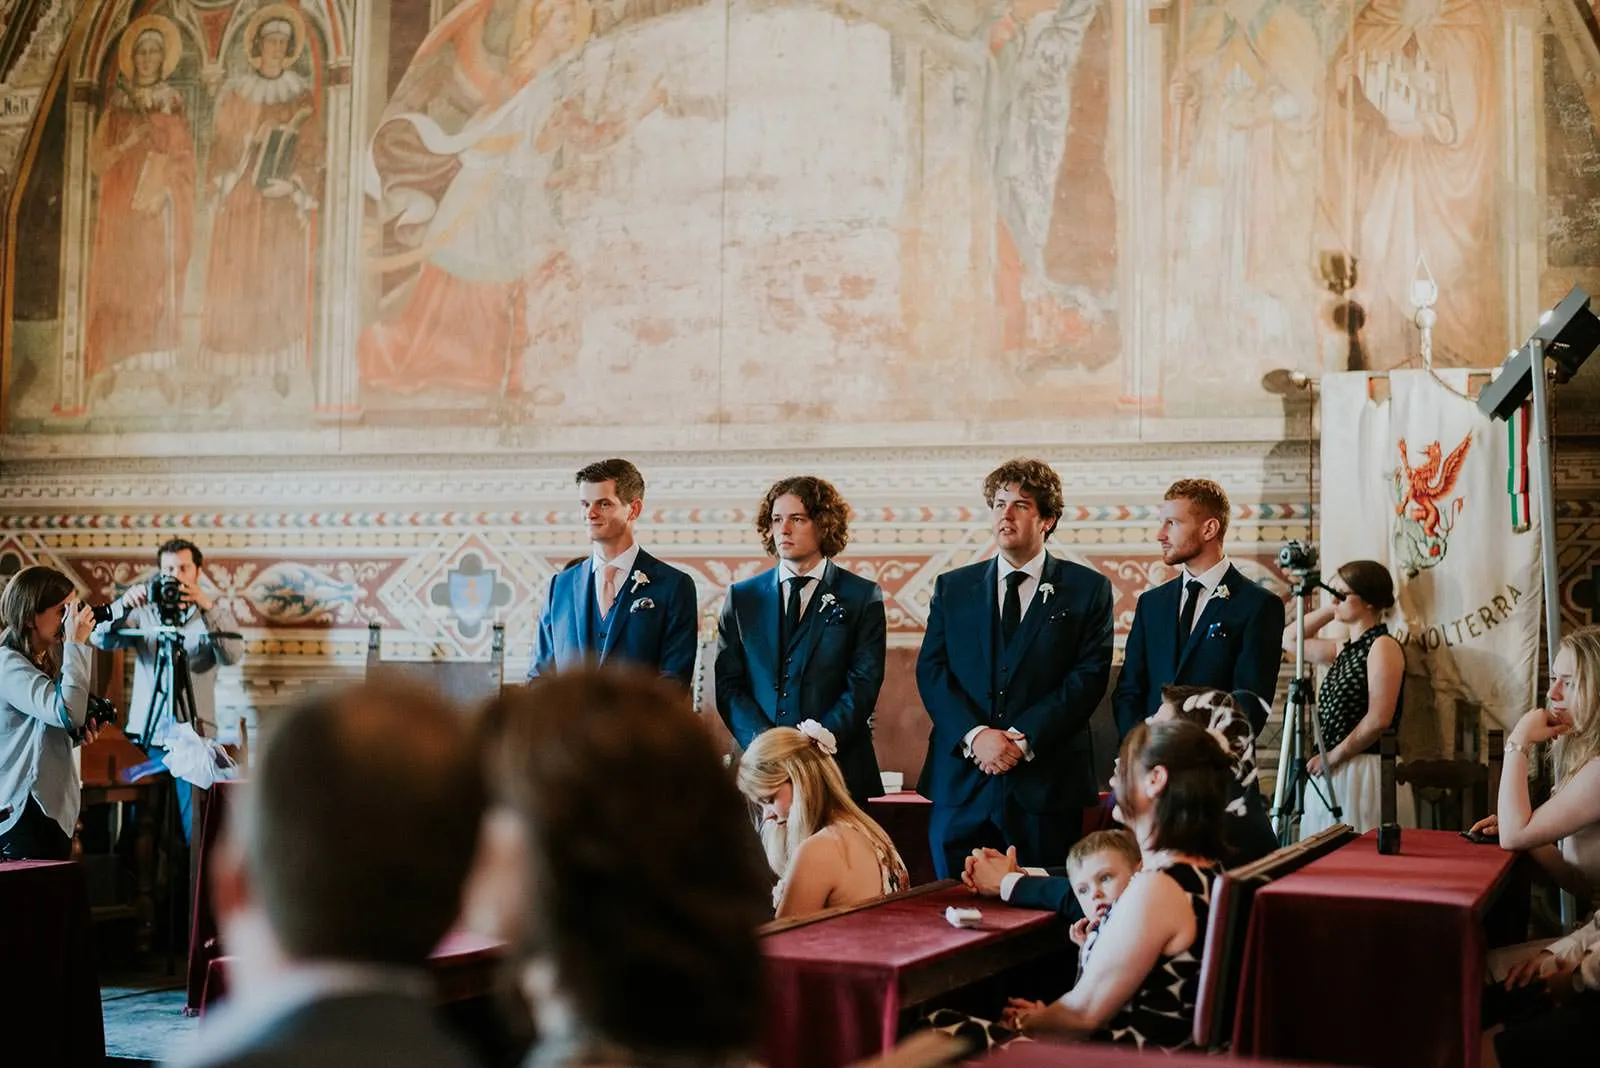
1016	657
806	639
621	603
336	878
1210	626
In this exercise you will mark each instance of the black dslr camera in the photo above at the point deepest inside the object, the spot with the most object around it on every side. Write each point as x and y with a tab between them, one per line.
101	713
1298	558
166	593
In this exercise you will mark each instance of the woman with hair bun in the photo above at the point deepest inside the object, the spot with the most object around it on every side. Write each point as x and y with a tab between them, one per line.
826	851
1360	697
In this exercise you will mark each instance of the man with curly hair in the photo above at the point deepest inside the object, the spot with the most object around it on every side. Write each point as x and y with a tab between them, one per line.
805	640
1016	657
1209	626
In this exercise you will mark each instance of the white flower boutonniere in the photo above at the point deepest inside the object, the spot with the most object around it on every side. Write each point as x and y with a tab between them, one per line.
639	579
1221	593
832	611
1045	590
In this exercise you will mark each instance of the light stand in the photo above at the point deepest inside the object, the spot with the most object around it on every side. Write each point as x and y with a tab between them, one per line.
1288	793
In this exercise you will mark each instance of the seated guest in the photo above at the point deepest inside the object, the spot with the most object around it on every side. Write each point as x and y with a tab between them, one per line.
618	860
1141	978
45	663
826	851
1139	983
1247	833
1563	834
1099	865
339	873
1360	698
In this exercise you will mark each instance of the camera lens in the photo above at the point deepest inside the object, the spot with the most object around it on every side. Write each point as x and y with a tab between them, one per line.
102	613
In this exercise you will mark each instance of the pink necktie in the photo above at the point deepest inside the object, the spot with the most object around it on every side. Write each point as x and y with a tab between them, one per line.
608	590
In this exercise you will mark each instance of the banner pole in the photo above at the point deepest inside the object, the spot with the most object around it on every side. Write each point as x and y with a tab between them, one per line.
1544	482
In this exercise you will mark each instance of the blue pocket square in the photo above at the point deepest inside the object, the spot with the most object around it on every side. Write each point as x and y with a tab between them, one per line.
1217	630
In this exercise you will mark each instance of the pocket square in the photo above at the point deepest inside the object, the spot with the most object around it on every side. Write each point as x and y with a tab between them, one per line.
643	604
1217	630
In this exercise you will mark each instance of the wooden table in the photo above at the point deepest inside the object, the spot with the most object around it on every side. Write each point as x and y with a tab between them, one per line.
1361	958
838	982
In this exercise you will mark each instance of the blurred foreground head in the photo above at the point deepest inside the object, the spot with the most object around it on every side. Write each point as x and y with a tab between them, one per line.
623	868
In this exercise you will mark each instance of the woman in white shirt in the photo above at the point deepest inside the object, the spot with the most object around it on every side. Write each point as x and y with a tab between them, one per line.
45	667
826	851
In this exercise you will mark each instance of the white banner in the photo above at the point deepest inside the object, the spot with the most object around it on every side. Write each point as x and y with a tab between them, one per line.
1419	482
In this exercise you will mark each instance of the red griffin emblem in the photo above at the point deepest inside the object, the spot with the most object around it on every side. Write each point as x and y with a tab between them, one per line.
1426	518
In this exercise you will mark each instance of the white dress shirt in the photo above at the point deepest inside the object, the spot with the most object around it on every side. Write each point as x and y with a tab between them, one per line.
623	562
1210	579
787	571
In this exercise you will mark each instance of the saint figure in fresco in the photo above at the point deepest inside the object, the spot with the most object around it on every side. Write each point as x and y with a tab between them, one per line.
142	157
1242	193
266	165
1415	84
469	197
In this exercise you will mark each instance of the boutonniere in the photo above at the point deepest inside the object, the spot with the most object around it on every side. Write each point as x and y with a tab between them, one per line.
639	579
1045	590
643	604
1221	593
832	610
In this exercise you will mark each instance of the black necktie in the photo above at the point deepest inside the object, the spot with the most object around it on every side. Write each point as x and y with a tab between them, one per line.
791	608
1192	589
1011	611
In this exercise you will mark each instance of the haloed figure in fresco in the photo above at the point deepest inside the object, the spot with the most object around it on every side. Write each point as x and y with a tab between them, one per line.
266	175
472	213
142	155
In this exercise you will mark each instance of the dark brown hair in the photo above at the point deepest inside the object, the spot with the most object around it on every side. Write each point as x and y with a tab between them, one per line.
30	591
1035	478
1188	812
1175	694
828	511
1206	495
361	822
1370	581
180	545
628	480
646	882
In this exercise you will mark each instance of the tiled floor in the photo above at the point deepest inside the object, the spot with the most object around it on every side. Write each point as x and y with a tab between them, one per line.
144	1019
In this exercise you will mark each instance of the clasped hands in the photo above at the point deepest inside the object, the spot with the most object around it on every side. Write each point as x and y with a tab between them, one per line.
995	751
1556	973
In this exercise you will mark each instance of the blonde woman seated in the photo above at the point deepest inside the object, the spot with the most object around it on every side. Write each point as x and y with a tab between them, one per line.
825	850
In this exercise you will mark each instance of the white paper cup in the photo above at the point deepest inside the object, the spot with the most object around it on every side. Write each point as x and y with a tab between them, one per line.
893	781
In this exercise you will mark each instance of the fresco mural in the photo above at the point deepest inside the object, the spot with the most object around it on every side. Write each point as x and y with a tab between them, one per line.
776	221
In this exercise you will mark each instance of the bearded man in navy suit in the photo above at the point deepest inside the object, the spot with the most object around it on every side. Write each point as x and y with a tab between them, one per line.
1016	657
620	603
806	639
1210	626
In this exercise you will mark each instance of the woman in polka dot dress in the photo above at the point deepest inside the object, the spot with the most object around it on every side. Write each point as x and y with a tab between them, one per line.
1360	697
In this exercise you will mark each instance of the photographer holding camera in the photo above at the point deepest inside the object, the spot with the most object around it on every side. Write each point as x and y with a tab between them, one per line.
173	598
45	664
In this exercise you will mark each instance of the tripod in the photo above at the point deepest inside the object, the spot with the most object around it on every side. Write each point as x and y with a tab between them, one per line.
171	698
1288	795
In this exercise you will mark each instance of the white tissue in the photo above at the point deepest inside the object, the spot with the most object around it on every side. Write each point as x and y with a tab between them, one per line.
201	761
963	917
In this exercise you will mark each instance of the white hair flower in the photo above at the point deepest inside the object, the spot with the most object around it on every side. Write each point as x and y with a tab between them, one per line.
820	736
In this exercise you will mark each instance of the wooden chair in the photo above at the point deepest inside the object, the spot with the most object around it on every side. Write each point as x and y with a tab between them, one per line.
467	683
1222	956
1452	795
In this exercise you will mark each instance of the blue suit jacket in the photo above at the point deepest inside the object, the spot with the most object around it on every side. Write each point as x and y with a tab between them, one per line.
1061	658
835	667
653	623
1236	644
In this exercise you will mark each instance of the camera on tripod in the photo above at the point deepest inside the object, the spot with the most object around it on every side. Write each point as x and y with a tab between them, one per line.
1298	559
166	593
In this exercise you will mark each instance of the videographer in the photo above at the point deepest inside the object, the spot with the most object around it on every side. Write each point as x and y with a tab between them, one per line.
137	618
45	665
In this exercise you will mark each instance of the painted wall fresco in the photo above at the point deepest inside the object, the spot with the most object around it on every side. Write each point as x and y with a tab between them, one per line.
719	222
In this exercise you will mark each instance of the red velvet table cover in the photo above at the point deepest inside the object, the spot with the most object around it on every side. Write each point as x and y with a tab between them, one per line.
203	944
464	965
1361	958
834	987
49	988
1103	1055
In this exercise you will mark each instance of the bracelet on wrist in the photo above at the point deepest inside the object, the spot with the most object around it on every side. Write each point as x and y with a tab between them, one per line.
1519	747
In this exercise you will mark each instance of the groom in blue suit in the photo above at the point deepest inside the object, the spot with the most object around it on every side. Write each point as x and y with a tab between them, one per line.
1016	657
1210	626
806	639
620	604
